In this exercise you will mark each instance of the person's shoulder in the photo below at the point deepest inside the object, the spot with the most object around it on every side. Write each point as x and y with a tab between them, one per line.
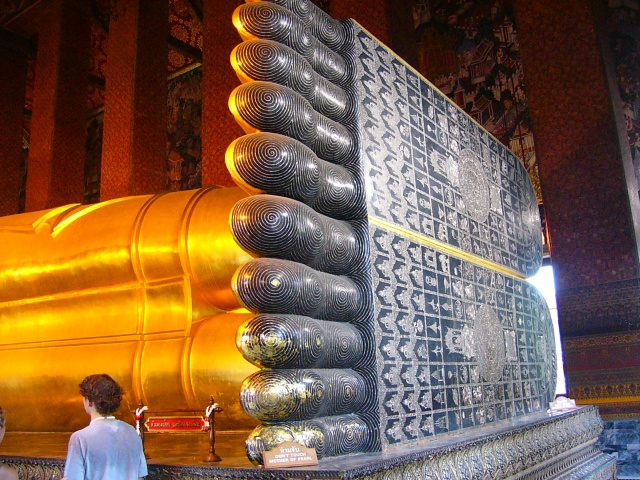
79	436
7	473
126	426
82	431
123	423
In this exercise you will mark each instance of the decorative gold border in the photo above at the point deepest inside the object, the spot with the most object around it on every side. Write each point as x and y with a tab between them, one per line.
443	247
171	418
182	71
620	393
618	416
601	340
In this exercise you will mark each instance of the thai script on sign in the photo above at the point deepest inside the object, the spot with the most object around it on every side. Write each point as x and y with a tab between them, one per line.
175	424
289	454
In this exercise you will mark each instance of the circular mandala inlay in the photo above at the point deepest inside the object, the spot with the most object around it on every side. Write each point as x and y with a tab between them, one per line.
474	186
489	340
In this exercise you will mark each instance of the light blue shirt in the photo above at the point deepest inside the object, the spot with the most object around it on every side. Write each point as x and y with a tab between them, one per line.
107	449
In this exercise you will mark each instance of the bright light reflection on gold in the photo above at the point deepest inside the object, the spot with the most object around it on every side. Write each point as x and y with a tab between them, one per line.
229	159
244	34
233	107
139	288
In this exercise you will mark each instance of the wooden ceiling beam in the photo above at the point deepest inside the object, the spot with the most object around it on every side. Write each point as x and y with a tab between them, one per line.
28	21
98	82
195	10
185	49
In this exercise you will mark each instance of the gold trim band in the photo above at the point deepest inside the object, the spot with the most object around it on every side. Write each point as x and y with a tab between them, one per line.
606	401
443	247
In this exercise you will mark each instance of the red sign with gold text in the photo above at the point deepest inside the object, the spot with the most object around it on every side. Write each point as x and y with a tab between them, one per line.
174	424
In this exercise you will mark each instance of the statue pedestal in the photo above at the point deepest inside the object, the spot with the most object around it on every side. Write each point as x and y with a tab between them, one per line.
539	446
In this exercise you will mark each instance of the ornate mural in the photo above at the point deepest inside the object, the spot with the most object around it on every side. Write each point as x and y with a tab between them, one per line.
184	142
470	51
624	31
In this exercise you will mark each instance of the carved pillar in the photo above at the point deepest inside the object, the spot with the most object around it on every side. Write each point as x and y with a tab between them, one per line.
218	81
13	77
135	132
593	249
56	156
390	21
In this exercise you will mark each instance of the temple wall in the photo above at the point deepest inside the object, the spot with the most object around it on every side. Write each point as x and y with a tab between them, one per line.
589	211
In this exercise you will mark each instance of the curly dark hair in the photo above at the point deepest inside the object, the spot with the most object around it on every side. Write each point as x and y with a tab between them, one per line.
103	391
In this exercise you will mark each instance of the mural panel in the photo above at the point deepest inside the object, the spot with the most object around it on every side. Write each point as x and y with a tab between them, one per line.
470	51
184	143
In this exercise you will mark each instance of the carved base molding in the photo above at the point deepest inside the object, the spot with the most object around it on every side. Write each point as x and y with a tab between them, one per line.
538	447
581	463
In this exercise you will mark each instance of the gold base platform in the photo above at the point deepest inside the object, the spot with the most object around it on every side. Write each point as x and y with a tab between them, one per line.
536	447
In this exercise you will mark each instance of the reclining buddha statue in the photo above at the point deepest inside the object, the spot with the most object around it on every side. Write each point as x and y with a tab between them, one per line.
363	287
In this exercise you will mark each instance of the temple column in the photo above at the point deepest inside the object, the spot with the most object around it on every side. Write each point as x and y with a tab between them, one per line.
593	245
219	128
390	21
55	174
13	78
135	132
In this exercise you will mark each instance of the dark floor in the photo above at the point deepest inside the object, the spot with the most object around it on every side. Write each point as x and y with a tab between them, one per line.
621	440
